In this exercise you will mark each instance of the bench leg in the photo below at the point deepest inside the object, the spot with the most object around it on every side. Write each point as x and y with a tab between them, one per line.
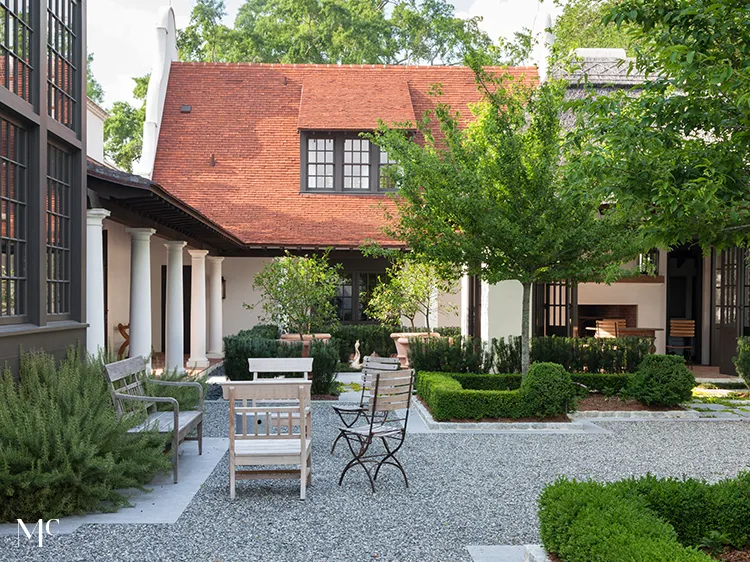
175	457
200	438
309	466
231	479
303	477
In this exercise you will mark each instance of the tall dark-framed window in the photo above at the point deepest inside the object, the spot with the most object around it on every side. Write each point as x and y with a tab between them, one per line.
342	162
385	162
62	70
320	164
353	294
356	164
16	46
13	210
59	200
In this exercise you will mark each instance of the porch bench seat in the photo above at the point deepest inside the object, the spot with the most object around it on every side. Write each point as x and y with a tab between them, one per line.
163	422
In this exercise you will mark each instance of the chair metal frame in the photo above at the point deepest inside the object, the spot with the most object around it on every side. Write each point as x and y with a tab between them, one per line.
349	415
392	392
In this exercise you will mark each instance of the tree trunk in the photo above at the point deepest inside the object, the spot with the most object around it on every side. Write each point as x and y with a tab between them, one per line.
525	339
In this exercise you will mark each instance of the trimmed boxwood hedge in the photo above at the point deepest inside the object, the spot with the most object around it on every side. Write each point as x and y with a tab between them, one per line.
643	519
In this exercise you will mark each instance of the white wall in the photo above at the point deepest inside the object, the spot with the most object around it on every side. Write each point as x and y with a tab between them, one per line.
650	298
95	117
239	273
502	309
118	280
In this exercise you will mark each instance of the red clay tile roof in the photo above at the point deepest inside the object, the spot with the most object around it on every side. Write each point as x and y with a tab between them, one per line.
247	116
354	101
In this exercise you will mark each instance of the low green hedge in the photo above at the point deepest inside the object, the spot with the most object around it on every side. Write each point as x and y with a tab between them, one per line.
447	399
450	355
376	338
662	380
476	396
643	519
603	383
238	348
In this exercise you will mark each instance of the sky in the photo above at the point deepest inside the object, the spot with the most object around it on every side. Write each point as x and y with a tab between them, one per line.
121	33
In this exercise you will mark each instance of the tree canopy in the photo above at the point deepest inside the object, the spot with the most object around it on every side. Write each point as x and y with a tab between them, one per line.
332	31
489	199
676	155
94	89
582	24
123	131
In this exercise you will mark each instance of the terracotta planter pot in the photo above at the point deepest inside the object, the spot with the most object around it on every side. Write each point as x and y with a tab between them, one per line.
306	340
401	339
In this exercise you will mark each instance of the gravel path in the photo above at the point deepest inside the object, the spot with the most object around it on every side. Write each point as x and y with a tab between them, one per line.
465	490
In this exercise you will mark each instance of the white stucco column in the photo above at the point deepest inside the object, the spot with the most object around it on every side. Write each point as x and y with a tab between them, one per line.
464	310
175	321
95	305
198	359
215	315
140	291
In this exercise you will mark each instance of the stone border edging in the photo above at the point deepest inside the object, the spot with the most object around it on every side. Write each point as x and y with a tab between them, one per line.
535	553
639	414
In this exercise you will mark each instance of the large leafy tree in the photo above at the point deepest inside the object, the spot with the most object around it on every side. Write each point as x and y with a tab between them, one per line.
94	89
677	155
582	24
488	200
123	131
332	31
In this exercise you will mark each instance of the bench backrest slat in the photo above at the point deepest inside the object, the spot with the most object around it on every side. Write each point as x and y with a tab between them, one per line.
128	377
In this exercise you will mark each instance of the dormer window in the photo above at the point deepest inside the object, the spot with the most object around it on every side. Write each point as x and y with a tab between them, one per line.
342	162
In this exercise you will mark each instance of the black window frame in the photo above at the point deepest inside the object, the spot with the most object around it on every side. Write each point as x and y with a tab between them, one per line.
357	306
339	138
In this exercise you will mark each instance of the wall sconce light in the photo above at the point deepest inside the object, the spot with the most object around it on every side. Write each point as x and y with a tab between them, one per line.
223	288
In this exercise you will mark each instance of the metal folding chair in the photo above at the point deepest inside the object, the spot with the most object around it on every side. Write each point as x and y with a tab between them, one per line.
391	394
350	415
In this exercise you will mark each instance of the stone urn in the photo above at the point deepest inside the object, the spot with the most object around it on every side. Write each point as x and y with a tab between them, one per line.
401	339
306	340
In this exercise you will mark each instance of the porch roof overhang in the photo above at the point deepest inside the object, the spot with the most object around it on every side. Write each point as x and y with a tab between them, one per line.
138	201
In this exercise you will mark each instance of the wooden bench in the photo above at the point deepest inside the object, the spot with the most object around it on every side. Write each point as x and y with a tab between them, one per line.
126	380
285	437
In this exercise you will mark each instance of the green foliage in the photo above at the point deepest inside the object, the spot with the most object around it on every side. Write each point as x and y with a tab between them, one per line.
507	355
94	89
591	522
373	338
593	355
453	355
548	390
298	292
480	381
332	31
581	25
409	289
490	199
123	131
239	347
604	383
643	518
662	380
265	331
447	400
62	449
187	397
674	156
742	361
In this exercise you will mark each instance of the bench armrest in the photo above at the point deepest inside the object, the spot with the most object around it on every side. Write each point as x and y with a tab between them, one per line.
165	399
198	385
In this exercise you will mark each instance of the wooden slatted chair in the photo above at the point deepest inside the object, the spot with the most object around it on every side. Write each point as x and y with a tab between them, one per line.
685	330
277	435
609	327
391	394
350	415
127	384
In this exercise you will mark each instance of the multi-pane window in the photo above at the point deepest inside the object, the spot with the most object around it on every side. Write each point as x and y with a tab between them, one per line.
386	182
61	68
343	162
320	164
356	164
13	197
16	46
59	199
353	295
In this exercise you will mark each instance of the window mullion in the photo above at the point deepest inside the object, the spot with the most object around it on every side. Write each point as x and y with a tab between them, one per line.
338	163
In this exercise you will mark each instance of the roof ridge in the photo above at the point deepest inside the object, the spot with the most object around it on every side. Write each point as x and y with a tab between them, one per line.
348	66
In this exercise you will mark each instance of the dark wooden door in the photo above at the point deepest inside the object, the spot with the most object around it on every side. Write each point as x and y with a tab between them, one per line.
728	277
685	293
186	284
555	309
475	307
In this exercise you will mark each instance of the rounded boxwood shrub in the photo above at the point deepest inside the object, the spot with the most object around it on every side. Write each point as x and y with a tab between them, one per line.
547	388
662	380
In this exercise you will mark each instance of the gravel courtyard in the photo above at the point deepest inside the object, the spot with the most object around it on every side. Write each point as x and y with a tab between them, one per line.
473	489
